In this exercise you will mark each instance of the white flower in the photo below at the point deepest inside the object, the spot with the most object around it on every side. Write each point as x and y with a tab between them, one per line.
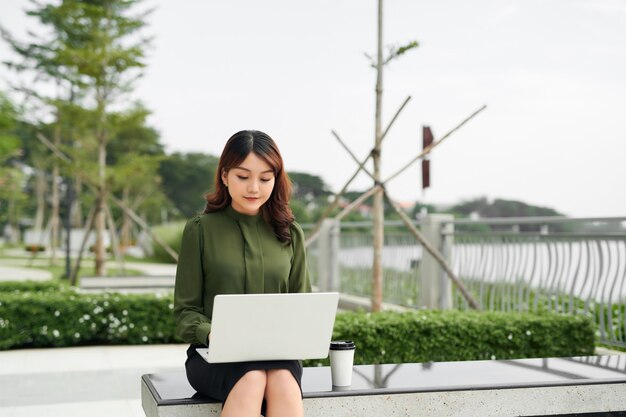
86	317
144	338
145	328
131	325
56	333
171	306
124	312
57	313
510	337
528	332
493	357
77	335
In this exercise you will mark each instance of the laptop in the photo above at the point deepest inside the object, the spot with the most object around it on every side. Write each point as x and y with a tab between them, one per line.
263	327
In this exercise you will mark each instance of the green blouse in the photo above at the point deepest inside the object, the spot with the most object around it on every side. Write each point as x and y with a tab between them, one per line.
226	252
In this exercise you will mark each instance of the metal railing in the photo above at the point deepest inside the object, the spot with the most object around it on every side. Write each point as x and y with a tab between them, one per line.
572	266
400	258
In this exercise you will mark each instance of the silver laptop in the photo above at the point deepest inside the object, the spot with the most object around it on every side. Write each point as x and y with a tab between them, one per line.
258	327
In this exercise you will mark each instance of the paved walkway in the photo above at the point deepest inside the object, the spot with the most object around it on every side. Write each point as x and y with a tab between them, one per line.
81	381
12	269
89	381
16	273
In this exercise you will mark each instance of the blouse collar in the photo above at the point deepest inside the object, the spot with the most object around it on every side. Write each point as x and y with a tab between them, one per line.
246	218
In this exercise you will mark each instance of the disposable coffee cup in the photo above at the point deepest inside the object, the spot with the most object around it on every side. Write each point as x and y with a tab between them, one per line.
341	360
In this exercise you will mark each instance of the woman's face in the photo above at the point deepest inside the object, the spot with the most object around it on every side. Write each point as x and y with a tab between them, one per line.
250	184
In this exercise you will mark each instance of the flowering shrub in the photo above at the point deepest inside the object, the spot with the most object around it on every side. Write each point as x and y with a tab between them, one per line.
67	318
435	336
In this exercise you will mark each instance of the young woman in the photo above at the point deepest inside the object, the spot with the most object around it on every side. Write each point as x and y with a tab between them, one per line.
245	242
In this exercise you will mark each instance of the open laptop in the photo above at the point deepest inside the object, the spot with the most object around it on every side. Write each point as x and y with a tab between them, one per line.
257	327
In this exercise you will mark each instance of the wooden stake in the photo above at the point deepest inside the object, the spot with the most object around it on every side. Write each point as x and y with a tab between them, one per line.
434	252
337	196
114	241
88	228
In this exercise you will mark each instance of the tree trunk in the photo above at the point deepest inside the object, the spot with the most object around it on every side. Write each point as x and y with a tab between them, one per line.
378	226
77	214
100	219
12	216
40	191
126	223
54	215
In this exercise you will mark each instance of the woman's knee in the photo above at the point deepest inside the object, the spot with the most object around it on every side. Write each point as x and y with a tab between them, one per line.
281	381
252	382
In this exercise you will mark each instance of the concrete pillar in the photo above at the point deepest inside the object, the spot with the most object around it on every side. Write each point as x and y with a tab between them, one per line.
328	255
435	286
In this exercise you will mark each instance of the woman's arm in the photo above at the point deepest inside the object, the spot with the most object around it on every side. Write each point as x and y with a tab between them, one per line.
299	274
192	326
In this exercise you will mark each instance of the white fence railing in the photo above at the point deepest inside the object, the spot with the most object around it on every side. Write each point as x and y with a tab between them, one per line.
573	266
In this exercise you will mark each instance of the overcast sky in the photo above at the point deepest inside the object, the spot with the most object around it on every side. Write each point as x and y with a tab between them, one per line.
552	74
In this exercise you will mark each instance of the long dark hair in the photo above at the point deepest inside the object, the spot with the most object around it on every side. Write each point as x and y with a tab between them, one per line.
276	211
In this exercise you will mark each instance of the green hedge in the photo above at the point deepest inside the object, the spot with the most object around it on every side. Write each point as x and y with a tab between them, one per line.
30	286
426	335
67	318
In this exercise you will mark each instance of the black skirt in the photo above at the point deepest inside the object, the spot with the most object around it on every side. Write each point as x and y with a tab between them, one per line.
215	380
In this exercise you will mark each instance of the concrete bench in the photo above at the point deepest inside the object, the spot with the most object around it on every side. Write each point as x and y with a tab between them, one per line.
583	386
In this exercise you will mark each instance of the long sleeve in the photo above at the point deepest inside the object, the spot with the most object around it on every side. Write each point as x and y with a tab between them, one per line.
192	325
299	274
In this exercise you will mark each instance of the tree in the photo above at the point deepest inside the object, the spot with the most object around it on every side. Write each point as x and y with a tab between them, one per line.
35	156
501	208
44	56
186	179
94	52
107	60
9	143
378	209
134	153
507	208
12	178
307	186
131	134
